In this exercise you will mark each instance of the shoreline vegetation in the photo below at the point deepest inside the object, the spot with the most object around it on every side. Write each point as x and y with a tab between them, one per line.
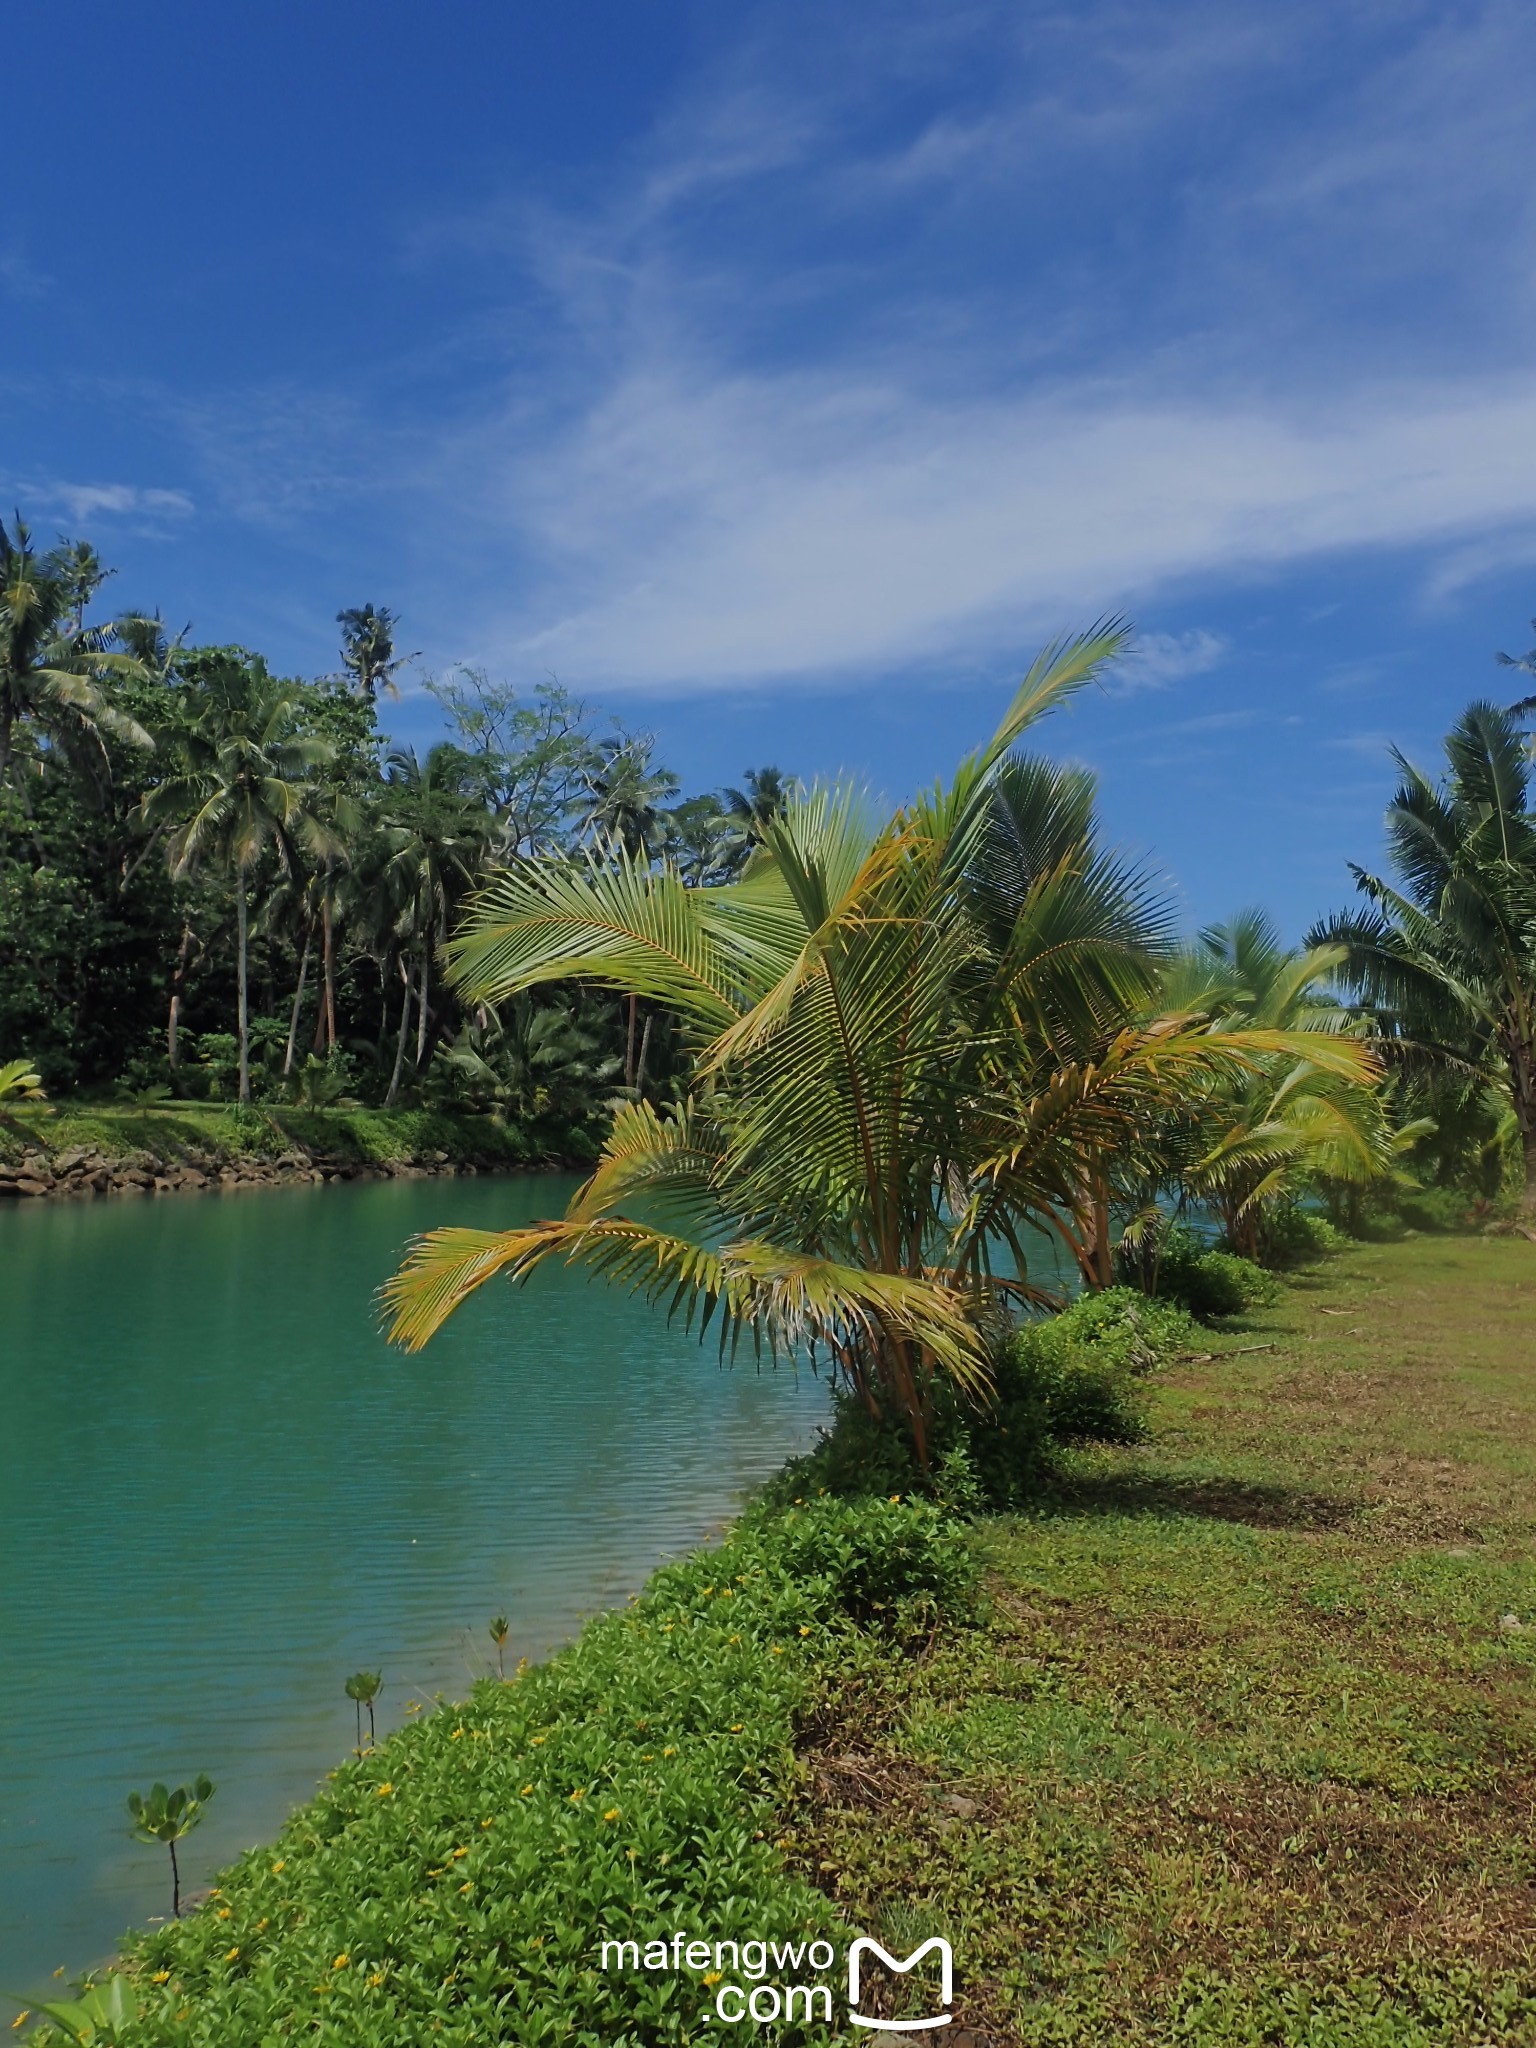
81	1149
1225	1739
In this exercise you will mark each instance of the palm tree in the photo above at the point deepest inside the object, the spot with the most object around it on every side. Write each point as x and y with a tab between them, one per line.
746	814
52	671
625	813
1526	663
240	787
82	572
433	837
368	648
1445	957
1254	1140
906	1036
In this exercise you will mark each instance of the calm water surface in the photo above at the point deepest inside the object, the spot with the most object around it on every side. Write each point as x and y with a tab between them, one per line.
220	1493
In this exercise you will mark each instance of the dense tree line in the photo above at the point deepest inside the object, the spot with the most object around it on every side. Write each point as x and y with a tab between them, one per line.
219	881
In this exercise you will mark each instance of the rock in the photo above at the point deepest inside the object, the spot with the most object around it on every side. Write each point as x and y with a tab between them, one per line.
1511	1625
33	1184
68	1162
957	1804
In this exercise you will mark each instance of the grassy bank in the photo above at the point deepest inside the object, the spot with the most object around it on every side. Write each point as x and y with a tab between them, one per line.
199	1132
1238	1746
1248	1741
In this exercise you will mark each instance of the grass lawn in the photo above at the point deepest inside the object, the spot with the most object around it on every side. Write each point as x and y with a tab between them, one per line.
1244	1750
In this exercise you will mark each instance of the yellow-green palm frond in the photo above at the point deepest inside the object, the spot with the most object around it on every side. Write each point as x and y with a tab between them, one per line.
613	922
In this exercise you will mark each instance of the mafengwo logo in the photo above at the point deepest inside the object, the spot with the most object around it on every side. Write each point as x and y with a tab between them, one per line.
759	1983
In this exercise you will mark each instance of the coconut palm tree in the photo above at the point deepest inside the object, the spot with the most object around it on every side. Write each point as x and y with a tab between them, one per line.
53	672
906	1033
1444	958
368	648
747	813
239	787
1253	1140
433	837
625	813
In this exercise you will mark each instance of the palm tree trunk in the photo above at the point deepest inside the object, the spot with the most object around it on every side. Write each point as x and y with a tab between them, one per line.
421	1016
645	1047
329	938
629	1045
298	1003
175	1884
178	979
405	1025
242	995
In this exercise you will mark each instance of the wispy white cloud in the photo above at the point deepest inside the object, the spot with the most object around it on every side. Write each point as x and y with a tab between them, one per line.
1158	659
20	277
831	392
80	503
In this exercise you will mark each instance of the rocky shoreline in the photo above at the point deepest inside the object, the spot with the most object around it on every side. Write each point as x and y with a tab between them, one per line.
82	1171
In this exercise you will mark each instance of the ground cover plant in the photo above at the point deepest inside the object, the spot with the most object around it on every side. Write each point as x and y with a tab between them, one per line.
453	1884
1245	1751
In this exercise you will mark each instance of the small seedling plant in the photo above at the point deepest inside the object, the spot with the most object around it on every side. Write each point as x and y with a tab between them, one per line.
170	1817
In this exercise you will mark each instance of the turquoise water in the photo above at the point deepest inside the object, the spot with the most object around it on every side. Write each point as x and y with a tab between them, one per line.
220	1493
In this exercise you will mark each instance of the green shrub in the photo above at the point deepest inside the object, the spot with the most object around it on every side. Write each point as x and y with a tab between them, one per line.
1297	1237
454	1885
1059	1379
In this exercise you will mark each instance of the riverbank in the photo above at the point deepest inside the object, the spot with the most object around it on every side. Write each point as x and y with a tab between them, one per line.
104	1149
1239	1747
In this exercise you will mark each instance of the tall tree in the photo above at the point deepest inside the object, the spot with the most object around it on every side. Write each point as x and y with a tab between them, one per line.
433	835
238	788
55	673
748	812
1445	956
368	648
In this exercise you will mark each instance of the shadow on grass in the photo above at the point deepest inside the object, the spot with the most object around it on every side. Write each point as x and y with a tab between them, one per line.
1256	1504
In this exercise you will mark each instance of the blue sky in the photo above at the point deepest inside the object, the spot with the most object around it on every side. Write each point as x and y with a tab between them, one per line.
780	376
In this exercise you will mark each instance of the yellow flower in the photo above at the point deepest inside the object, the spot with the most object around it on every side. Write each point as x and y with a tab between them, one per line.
538	1739
579	1793
727	1593
458	1853
261	1924
612	1813
526	1790
777	1651
341	1961
223	1912
234	1952
667	1627
631	1854
383	1791
279	1866
466	1887
485	1823
804	1630
413	1706
713	1977
21	2019
375	1977
669	1752
895	1499
736	1727
161	1977
456	1735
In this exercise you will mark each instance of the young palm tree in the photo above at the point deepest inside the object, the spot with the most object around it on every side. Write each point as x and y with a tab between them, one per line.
53	671
239	787
906	1034
1445	957
1255	1139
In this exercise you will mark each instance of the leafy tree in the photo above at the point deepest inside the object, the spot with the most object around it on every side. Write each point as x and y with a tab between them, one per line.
363	1688
747	813
1444	958
532	758
237	790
